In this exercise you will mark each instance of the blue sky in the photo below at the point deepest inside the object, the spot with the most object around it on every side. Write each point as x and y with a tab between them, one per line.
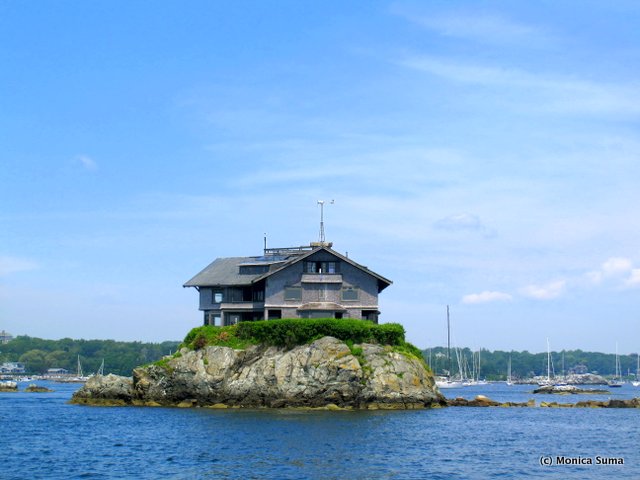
483	155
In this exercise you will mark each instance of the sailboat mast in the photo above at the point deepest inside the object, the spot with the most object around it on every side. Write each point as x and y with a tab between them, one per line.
448	341
548	362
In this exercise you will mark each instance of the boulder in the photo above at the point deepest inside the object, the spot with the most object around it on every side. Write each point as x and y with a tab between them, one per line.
105	390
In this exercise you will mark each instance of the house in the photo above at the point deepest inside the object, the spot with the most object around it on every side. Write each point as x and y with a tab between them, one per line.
5	337
297	282
12	367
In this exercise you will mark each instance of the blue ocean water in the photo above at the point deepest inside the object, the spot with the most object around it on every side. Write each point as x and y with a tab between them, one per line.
41	436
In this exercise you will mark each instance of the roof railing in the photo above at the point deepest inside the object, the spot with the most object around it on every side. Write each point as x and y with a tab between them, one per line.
288	250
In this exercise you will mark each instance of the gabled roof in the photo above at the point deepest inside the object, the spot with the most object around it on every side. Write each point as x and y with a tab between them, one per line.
226	271
382	281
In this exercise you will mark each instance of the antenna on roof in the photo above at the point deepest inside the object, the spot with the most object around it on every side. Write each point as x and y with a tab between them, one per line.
321	203
265	243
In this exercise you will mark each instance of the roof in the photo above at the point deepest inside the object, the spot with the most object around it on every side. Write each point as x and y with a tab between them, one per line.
226	271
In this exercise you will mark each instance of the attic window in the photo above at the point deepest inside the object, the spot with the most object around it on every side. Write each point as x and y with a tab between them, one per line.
321	267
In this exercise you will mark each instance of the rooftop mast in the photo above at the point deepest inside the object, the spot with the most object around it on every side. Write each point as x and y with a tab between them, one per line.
321	240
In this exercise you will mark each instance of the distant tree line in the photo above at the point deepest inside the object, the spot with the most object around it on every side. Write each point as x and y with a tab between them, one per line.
494	365
121	358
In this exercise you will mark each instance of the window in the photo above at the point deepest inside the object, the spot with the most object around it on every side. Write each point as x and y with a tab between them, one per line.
253	269
321	267
212	318
371	315
234	294
258	295
217	296
293	293
349	293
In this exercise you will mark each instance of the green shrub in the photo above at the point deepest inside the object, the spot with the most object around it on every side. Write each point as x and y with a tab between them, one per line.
293	331
290	332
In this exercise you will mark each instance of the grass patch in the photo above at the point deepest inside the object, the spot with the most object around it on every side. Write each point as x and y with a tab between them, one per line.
206	335
409	350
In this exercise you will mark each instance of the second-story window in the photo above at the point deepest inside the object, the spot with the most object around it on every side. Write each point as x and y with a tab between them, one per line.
217	296
349	293
293	293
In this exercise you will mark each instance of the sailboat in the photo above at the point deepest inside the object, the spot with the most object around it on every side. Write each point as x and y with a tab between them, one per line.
548	380
80	377
617	380
636	382
446	382
101	369
509	381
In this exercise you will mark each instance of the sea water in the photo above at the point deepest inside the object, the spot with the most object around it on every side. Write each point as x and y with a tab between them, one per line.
42	436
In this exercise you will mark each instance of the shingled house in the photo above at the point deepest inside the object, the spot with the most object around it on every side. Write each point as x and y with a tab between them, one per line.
299	282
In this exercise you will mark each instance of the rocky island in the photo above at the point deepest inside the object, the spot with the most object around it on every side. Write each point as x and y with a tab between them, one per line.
279	364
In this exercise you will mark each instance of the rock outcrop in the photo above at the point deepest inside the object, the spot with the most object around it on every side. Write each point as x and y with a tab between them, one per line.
483	401
323	374
8	386
569	390
33	388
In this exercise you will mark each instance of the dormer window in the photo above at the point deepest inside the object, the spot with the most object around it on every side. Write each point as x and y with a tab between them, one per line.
253	269
321	267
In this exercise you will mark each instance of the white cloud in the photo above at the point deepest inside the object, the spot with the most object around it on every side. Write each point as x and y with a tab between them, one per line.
634	278
485	297
87	162
616	266
9	265
613	268
545	292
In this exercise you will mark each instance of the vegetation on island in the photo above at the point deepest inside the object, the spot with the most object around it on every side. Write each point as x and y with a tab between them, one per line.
38	355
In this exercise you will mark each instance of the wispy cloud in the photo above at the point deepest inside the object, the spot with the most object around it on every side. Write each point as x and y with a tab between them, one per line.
87	162
545	292
481	27
485	297
561	94
463	222
9	265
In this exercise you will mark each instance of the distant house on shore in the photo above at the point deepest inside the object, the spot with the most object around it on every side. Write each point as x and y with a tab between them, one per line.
295	282
5	337
12	367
